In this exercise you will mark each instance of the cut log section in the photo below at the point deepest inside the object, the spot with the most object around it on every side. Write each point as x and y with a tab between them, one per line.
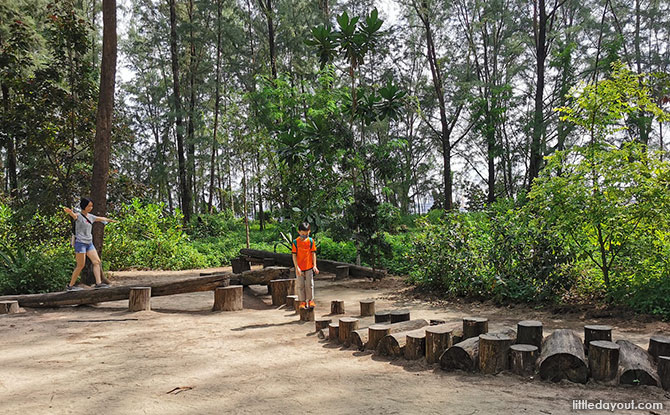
438	339
228	298
494	352
377	332
240	265
522	358
268	262
399	315
367	308
290	302
465	355
604	361
596	332
382	317
664	371
337	307
341	272
437	321
334	332
280	289
393	345
659	346
359	338
474	326
261	276
457	335
529	332
307	314
636	366
139	299
322	323
9	307
322	334
347	326
415	344
563	357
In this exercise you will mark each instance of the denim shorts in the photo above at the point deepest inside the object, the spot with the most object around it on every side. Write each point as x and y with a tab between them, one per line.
82	248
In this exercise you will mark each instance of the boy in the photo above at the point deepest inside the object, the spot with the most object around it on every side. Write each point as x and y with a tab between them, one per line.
303	249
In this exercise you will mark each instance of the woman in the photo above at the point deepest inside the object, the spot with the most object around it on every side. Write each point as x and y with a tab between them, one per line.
83	243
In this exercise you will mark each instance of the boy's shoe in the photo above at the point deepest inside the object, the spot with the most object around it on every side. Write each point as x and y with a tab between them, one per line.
101	285
72	288
311	304
302	305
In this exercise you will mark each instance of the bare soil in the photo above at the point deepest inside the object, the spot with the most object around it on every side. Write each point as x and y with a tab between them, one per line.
182	358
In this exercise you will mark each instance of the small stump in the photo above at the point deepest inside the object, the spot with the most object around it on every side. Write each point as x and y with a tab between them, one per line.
522	358
529	332
347	325
334	332
596	332
280	289
367	308
307	314
337	307
474	326
636	366
415	345
341	272
9	307
291	301
664	371
382	317
322	323
240	265
269	262
604	361
376	332
228	298
659	346
494	352
399	315
438	339
139	299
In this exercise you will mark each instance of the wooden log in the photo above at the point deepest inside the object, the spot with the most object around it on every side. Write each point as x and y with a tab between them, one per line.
341	271
337	307
290	302
530	332
474	326
139	299
228	298
494	352
377	332
465	354
604	361
399	315
382	317
307	314
359	338
296	305
240	265
322	334
457	335
437	321
659	346
268	262
563	357
438	339
334	332
415	344
347	326
280	289
261	276
522	358
664	371
367	308
322	323
9	307
596	332
636	366
190	285
393	345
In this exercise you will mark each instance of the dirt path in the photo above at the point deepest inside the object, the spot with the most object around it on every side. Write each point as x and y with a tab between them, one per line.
261	360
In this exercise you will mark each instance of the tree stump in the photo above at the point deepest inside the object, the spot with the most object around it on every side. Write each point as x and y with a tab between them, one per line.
596	332
240	265
494	352
269	262
522	358
415	345
291	301
604	361
347	326
280	289
322	334
659	346
367	308
394	344
382	317
437	321
139	299
376	332
337	307
399	315
359	338
341	272
307	314
322	323
474	326
228	298
296	304
438	339
664	371
334	332
529	332
563	357
457	335
636	366
9	307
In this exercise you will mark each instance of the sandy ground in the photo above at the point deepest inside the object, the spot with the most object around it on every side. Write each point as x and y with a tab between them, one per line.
105	360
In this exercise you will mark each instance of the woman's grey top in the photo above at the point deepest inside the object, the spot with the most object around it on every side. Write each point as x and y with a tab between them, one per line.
82	228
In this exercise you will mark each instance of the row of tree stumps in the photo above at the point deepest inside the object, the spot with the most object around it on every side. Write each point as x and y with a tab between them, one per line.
229	298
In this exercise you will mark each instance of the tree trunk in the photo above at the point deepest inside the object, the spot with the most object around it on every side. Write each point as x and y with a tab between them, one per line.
540	22
563	357
11	148
216	106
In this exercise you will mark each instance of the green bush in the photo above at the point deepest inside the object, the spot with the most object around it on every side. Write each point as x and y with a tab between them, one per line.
41	270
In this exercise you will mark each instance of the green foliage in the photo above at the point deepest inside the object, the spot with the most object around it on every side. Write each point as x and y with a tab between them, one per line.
42	269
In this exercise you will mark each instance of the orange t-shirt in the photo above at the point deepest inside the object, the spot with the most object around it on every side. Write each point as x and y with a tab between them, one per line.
303	249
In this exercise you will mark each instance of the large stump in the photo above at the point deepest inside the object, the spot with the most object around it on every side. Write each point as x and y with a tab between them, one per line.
341	272
307	314
393	345
322	323
334	332
399	315
604	361
659	346
596	332
415	344
347	326
367	308
228	298
337	307
636	366
664	371
465	355
382	317
376	332
139	299
9	307
474	326
290	302
240	265
563	357
494	352
529	332
268	262
438	339
359	338
522	358
280	289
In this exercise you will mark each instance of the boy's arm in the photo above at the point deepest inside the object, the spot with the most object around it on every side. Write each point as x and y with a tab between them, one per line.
295	264
316	269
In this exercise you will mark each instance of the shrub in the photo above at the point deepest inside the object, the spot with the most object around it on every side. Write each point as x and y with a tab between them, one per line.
27	272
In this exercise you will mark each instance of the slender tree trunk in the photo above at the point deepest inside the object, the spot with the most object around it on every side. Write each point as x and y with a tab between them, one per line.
190	135
536	144
216	104
268	11
491	153
11	148
260	194
244	202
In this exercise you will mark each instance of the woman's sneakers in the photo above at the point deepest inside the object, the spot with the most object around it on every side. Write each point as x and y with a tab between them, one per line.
72	288
101	285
